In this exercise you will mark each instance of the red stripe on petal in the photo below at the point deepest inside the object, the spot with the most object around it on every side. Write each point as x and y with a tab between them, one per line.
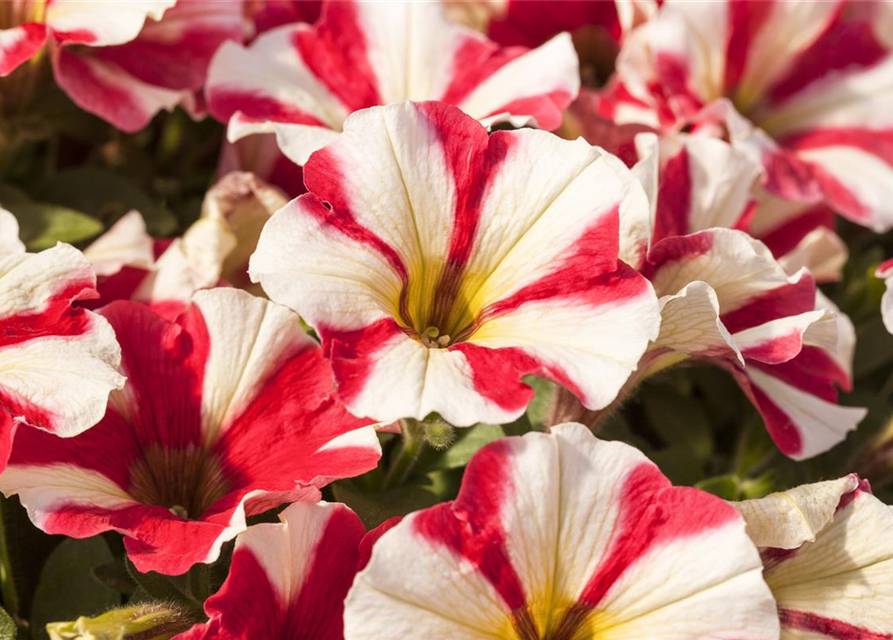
783	431
786	237
814	623
474	61
777	349
471	526
224	103
323	177
248	605
96	95
19	44
812	371
677	249
781	302
369	540
57	318
353	354
844	46
546	109
745	18
674	198
335	51
294	407
653	513
496	374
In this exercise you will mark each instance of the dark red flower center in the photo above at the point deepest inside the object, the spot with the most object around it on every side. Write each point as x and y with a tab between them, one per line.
186	481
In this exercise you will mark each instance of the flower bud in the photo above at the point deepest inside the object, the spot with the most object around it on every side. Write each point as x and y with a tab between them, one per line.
142	622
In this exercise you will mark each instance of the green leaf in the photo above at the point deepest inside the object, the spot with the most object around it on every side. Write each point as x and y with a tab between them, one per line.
679	420
68	587
467	444
727	487
375	508
7	626
42	225
107	195
161	587
538	409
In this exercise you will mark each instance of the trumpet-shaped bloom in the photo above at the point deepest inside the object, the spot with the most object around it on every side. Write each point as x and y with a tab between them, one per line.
160	68
227	412
58	362
803	87
302	81
725	297
828	559
28	24
124	63
439	266
288	581
562	535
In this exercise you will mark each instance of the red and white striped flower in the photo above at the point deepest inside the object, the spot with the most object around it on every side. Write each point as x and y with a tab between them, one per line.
439	265
227	412
725	297
287	581
160	68
562	535
302	81
828	559
58	362
885	271
803	87
27	25
122	61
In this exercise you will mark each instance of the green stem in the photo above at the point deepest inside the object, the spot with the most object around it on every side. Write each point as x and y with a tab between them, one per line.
7	583
410	450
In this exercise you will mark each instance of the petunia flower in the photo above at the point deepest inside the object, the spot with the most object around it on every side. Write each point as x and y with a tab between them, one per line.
439	266
163	67
726	299
58	362
301	82
227	412
287	581
561	536
122	61
803	87
828	559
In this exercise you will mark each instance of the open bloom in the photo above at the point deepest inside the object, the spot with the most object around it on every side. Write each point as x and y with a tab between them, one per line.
302	81
123	63
828	559
227	412
439	266
58	362
562	535
803	87
287	581
725	298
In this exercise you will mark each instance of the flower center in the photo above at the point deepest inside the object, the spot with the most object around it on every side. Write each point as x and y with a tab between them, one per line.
437	313
573	623
187	481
